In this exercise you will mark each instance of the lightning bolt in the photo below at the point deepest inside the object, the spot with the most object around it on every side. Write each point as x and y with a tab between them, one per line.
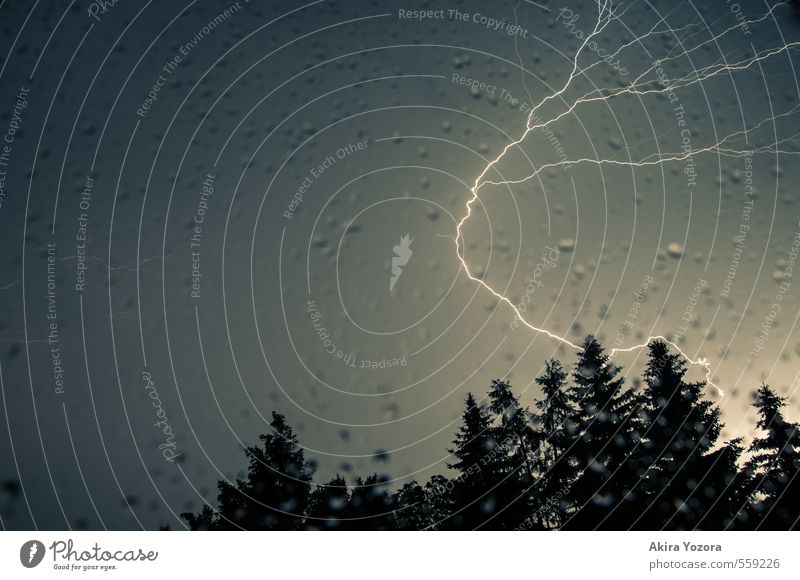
640	86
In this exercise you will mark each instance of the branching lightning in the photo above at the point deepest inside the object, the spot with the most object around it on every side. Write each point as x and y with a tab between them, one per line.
640	86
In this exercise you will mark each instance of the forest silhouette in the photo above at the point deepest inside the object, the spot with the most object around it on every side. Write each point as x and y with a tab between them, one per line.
593	454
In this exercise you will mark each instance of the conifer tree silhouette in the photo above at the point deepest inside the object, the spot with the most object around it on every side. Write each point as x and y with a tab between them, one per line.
275	493
555	433
773	467
514	426
513	430
609	426
681	428
477	492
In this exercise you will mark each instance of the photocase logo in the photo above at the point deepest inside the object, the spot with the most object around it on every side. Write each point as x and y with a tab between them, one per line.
402	256
31	553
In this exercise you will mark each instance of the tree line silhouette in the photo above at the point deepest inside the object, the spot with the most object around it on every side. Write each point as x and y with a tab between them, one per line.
593	454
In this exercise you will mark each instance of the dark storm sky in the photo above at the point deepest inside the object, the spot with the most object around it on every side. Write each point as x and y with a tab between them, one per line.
200	204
